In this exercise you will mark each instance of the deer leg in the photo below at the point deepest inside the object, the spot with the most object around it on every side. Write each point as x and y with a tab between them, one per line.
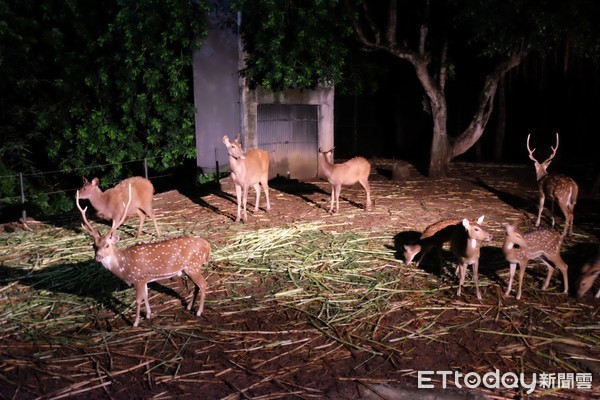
265	185
568	217
149	212
244	202
338	190
365	185
548	275
462	268
476	278
141	294
511	275
257	190
540	208
201	285
238	195
522	268
332	199
142	219
564	268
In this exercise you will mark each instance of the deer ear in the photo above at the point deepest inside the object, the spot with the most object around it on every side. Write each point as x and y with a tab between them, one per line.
237	138
114	237
480	220
225	139
466	223
95	181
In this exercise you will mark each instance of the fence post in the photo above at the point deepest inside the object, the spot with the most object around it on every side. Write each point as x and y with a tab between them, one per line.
23	211
217	164
146	168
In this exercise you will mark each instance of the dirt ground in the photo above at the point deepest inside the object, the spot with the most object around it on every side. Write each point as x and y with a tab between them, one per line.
285	354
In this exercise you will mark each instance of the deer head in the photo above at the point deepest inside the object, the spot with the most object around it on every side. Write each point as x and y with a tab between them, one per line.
541	168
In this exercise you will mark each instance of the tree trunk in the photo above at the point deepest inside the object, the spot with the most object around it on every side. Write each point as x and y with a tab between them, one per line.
501	124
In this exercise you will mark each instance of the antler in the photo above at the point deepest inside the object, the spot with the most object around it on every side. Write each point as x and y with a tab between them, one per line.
115	225
554	148
87	227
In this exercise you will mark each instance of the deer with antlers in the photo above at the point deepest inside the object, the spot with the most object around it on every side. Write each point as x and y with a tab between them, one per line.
142	263
559	188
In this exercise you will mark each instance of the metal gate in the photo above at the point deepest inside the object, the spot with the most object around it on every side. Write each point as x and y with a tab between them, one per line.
290	134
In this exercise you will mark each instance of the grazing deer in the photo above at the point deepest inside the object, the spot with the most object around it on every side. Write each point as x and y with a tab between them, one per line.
589	273
433	238
540	244
465	243
561	188
348	173
249	168
142	263
109	204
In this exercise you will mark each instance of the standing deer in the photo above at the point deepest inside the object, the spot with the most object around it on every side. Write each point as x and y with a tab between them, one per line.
561	188
432	238
142	263
348	173
465	243
589	273
249	168
539	244
109	204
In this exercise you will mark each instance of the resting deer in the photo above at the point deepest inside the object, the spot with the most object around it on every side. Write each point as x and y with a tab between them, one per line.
589	273
465	243
109	204
561	188
433	238
249	168
348	173
142	263
539	244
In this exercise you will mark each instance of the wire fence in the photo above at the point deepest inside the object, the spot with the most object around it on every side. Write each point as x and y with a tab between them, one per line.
22	178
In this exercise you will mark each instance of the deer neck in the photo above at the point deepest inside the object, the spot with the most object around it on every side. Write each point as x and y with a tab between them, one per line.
116	262
99	199
324	165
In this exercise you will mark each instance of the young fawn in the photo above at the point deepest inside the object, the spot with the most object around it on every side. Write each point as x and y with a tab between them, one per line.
249	168
348	173
142	263
433	238
465	243
539	244
561	188
109	204
589	273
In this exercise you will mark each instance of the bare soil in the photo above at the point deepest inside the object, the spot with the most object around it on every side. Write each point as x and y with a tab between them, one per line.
278	352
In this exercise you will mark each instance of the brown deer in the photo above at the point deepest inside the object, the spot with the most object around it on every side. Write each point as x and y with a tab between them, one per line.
433	238
109	204
348	173
249	168
538	244
589	273
559	188
142	263
465	243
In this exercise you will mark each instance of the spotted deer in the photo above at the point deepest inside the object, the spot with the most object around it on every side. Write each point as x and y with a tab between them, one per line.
109	204
249	168
559	188
465	243
538	244
143	263
348	173
589	273
433	238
